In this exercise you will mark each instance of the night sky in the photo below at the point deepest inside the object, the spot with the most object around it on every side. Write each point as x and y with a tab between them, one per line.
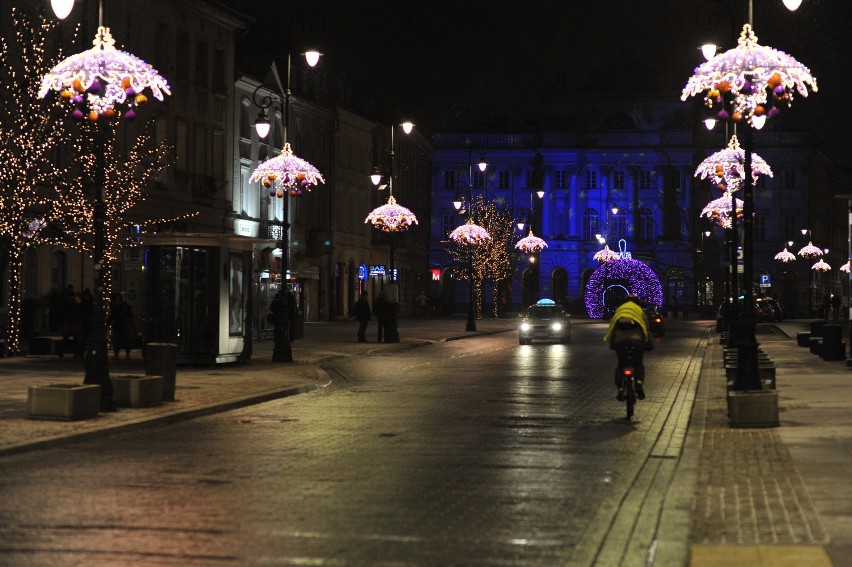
471	64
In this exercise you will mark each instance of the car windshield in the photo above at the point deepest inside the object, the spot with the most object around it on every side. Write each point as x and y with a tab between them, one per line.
537	312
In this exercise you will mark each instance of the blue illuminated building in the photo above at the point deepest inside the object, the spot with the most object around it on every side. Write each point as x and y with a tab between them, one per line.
624	171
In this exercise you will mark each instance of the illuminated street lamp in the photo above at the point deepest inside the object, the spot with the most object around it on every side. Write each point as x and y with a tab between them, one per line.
391	218
284	176
98	85
745	84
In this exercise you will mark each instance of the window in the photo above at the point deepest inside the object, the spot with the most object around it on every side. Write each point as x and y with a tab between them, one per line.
591	179
531	179
450	178
201	66
559	179
219	84
219	155
645	179
617	180
789	179
503	179
790	227
590	224
618	228
449	223
759	227
646	225
182	54
479	178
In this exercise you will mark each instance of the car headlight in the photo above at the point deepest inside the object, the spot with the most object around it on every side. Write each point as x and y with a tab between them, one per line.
556	326
525	326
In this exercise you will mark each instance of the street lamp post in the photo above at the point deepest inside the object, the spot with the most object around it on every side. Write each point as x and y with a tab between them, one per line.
292	174
101	84
757	82
471	315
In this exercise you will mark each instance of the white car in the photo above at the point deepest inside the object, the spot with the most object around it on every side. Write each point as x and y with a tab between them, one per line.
546	320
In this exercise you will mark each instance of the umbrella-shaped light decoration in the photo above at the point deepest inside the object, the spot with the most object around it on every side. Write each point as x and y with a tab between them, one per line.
785	256
391	217
605	255
821	267
759	80
531	244
719	210
104	77
845	267
726	167
810	251
470	234
291	172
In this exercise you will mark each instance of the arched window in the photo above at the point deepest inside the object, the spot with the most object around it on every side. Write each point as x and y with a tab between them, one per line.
590	224
559	285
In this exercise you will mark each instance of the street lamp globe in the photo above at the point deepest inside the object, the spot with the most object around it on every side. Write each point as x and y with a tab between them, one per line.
312	57
62	8
483	165
376	176
262	123
792	5
407	127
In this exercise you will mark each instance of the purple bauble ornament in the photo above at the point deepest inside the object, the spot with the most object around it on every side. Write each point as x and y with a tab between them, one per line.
779	90
95	87
77	114
129	91
77	99
130	115
746	88
272	192
723	115
773	112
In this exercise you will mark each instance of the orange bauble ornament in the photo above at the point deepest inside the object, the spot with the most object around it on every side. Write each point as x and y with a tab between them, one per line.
66	95
141	99
737	116
300	176
280	194
93	116
720	186
108	113
774	80
759	110
125	83
713	93
267	183
77	85
723	86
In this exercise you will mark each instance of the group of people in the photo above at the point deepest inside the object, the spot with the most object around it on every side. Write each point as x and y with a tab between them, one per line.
831	305
75	316
383	310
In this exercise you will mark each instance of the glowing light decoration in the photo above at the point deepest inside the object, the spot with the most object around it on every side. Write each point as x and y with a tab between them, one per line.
726	167
821	266
757	80
633	276
845	267
34	228
104	77
785	256
470	234
531	244
810	251
719	210
605	255
292	173
391	217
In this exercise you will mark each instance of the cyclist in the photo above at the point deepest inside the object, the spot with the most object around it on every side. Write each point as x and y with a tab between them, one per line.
628	331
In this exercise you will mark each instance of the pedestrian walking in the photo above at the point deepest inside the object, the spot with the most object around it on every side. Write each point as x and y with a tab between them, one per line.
835	305
382	310
120	320
362	315
423	300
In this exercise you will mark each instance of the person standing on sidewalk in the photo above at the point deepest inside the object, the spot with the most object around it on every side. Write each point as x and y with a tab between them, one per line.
381	309
835	305
362	315
70	317
120	320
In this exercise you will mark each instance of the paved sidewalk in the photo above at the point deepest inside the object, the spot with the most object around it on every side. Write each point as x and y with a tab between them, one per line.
768	497
202	390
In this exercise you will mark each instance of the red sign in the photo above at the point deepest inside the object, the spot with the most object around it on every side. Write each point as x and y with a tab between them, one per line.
436	274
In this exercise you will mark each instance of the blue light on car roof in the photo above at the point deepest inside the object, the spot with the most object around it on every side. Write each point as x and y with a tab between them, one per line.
545	302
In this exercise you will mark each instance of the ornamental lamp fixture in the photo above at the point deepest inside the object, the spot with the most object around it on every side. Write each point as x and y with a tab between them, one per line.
810	251
605	255
719	210
785	256
845	267
726	167
821	266
531	244
391	217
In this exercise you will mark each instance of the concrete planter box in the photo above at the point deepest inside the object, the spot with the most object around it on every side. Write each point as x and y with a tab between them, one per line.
753	409
136	391
63	401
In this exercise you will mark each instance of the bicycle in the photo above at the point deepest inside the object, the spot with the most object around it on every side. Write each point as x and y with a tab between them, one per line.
629	369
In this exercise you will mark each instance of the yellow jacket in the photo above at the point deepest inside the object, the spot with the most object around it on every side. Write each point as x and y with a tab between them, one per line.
629	310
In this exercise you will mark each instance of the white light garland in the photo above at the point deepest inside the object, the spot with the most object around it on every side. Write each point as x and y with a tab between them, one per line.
470	234
785	256
531	244
391	217
290	171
